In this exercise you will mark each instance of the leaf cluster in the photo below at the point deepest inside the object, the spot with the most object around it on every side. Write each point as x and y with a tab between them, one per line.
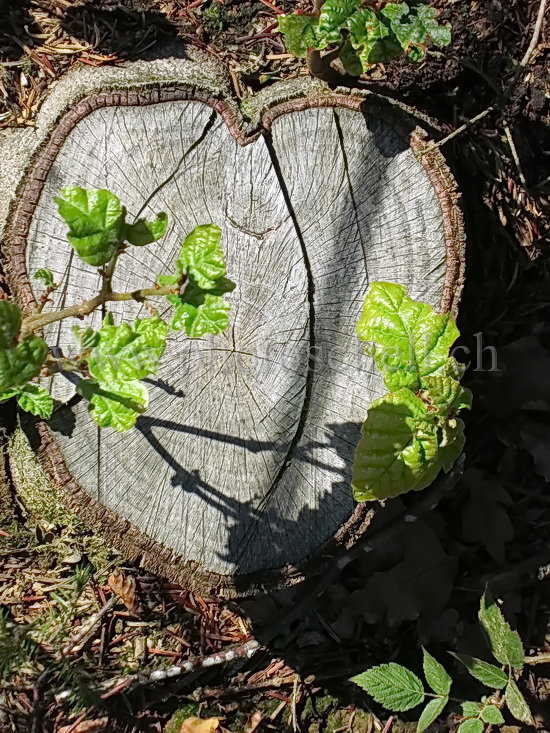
366	36
397	688
412	432
113	360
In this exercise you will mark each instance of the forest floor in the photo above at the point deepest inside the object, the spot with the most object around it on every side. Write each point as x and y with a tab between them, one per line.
104	625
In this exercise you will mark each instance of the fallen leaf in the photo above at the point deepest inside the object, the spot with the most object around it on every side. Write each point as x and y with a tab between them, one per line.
99	725
421	582
124	585
198	725
485	520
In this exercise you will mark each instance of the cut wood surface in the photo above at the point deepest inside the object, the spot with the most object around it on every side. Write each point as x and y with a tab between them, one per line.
240	468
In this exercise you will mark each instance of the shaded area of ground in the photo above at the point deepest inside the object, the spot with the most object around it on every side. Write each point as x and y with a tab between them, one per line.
422	588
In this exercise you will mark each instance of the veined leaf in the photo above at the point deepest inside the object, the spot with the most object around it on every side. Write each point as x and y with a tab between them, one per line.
144	232
416	27
491	714
114	404
432	711
505	644
397	447
128	351
301	32
371	38
472	725
85	338
517	704
96	222
411	341
446	394
486	673
211	316
393	686
333	15
35	399
202	257
350	59
46	276
21	363
436	674
470	709
10	323
8	394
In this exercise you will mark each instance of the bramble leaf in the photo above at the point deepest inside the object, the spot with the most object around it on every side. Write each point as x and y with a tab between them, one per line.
35	399
211	316
393	686
470	709
371	38
145	232
96	222
202	257
114	404
333	15
128	351
46	276
491	714
472	725
416	27
301	32
446	394
411	341
21	363
450	452
505	645
436	674
8	394
432	711
486	673
397	447
517	704
10	323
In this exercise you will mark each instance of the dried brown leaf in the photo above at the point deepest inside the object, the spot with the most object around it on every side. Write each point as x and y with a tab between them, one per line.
124	585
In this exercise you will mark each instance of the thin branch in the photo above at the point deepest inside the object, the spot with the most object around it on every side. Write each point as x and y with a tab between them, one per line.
34	322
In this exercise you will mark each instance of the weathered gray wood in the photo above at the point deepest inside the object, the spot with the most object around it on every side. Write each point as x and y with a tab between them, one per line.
242	461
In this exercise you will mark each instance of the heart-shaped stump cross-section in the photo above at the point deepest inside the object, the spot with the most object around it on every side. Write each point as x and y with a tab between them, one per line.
239	471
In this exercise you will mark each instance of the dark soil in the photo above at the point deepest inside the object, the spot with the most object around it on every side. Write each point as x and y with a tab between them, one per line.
494	528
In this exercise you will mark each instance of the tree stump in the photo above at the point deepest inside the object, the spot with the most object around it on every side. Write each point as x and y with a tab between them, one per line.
238	475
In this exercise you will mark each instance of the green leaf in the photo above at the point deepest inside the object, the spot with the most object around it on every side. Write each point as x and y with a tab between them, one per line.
114	404
96	222
350	59
470	709
446	395
393	686
432	711
35	399
505	644
411	341
202	256
333	15
370	36
195	295
85	338
450	452
517	704
416	27
397	447
21	363
8	394
144	232
164	280
436	674
46	276
471	726
10	322
486	673
301	32
128	351
491	714
211	316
